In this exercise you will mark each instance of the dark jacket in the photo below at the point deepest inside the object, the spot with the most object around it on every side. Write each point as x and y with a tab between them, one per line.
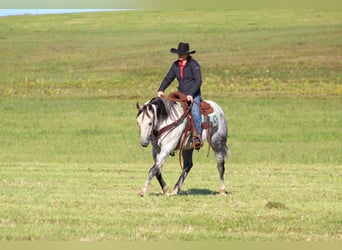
191	82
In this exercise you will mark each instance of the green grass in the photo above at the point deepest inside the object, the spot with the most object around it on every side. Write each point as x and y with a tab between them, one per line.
71	170
280	131
45	201
70	161
256	52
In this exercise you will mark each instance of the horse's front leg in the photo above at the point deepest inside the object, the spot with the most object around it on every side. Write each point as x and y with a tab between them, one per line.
187	165
153	171
156	170
162	183
159	176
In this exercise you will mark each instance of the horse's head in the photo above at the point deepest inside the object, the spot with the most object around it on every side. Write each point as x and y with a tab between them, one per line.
146	119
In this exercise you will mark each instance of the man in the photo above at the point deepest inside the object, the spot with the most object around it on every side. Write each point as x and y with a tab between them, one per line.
188	73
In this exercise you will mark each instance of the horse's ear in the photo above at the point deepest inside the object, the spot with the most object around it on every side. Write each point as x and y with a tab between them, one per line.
138	106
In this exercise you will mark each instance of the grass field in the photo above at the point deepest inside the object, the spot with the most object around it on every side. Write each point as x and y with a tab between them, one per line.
70	161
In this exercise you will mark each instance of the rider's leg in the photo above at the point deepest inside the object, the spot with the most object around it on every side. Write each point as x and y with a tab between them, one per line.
196	116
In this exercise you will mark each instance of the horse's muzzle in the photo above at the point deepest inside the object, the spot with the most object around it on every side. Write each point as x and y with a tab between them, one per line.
144	143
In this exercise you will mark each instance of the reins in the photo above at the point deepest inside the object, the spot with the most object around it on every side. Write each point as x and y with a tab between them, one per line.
172	125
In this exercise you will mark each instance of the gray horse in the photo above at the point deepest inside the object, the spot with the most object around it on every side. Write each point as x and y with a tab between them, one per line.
160	113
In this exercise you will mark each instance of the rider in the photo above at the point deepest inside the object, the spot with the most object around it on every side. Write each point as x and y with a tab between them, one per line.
188	73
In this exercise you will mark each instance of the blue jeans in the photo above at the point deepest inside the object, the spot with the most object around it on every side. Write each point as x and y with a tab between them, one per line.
196	114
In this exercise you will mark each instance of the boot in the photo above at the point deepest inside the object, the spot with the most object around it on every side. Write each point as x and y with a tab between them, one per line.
197	142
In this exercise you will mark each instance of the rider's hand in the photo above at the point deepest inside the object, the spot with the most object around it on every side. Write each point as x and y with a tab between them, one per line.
160	93
189	98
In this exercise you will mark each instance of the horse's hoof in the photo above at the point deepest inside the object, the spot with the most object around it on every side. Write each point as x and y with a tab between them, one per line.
173	193
166	190
223	193
143	192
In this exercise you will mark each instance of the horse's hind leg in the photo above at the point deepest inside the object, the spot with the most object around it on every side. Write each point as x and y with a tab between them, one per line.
220	160
221	169
187	165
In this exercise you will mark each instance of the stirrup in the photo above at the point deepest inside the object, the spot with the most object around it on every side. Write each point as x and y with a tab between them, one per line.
197	142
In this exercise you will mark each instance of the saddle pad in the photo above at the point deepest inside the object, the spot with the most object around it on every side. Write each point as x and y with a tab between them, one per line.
212	118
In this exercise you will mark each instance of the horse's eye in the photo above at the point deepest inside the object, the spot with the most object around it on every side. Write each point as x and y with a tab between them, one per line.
150	124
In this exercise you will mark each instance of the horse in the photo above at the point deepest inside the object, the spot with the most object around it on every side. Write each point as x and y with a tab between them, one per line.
162	114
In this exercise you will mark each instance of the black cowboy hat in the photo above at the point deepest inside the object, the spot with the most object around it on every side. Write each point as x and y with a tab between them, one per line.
183	48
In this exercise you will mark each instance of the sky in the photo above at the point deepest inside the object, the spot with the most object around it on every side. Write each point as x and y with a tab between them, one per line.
13	12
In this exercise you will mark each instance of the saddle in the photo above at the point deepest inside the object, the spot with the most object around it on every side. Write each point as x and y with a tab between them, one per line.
205	108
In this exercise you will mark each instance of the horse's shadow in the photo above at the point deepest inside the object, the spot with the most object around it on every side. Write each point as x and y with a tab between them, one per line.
198	192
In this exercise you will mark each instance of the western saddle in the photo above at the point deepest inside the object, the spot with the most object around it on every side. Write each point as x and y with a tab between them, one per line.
205	109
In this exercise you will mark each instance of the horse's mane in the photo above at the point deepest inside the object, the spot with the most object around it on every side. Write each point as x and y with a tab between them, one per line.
165	107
